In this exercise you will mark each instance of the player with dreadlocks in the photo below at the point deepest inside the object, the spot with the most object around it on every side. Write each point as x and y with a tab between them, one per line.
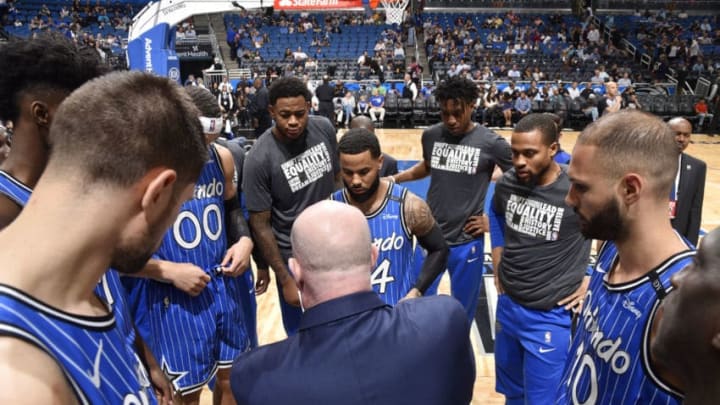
460	156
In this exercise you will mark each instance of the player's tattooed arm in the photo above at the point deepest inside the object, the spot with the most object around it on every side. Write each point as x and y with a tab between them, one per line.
267	244
422	224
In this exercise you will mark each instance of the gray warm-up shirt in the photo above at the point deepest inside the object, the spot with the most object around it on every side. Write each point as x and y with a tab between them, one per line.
545	256
285	178
460	170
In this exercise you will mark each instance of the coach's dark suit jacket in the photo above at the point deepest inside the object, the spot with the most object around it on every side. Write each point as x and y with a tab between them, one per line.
690	197
358	350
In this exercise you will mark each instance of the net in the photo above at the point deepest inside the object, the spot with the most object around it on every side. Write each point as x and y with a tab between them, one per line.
394	10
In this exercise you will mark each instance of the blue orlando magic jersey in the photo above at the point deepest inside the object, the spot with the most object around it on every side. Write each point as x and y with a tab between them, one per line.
198	234
14	189
609	360
92	353
109	288
394	275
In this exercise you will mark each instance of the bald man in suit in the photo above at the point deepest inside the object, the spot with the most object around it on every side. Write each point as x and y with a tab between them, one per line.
352	348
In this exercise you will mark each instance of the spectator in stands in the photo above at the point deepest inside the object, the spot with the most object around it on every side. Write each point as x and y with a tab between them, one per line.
324	94
398	51
612	101
573	90
514	73
597	79
630	99
410	90
512	90
377	106
491	104
701	109
348	108
624	80
523	105
507	108
363	106
593	35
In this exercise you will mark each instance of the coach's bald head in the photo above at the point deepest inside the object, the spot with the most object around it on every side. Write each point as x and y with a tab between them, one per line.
332	252
362	121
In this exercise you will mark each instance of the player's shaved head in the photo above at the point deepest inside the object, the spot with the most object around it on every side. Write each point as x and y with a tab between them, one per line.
362	121
332	236
634	141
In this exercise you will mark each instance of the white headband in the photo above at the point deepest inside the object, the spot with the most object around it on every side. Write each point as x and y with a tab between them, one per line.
212	126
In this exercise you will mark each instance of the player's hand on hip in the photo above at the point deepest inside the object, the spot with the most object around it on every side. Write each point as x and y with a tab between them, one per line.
237	258
189	278
262	281
290	291
574	301
476	225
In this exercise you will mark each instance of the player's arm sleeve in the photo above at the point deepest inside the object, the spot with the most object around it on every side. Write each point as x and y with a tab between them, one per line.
696	208
421	223
235	225
502	153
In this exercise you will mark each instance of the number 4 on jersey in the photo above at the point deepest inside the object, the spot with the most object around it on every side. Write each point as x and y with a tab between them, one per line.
381	276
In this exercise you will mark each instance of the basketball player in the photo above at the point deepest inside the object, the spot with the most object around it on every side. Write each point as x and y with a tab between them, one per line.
284	173
107	195
197	335
27	65
540	274
621	171
394	215
688	337
389	163
460	155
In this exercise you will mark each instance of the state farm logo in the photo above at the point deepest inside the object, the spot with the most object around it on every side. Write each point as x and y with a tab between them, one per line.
310	3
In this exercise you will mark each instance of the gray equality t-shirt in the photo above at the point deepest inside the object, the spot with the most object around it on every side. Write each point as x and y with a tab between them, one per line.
545	255
287	178
460	170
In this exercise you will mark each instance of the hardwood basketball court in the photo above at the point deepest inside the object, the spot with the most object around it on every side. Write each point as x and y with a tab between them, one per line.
404	144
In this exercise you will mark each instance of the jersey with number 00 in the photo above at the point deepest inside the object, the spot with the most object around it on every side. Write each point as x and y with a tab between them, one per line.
609	361
198	234
394	275
91	351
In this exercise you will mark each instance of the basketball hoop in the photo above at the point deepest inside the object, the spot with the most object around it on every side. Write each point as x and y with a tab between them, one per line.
394	10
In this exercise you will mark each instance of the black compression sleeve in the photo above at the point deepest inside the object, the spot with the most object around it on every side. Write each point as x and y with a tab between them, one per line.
235	224
436	260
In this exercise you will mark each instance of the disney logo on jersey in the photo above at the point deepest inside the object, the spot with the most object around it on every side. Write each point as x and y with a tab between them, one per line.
455	158
210	190
536	219
307	167
392	242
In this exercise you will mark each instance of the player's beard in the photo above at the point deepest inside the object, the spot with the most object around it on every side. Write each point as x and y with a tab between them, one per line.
607	224
361	198
131	257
